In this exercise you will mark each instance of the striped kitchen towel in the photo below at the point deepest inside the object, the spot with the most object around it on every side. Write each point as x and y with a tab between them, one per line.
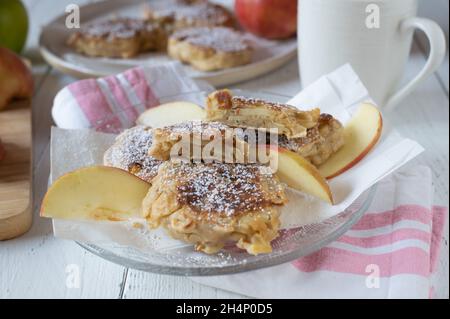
390	253
113	103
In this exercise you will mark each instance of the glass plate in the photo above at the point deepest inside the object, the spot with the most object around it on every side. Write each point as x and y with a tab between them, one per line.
290	245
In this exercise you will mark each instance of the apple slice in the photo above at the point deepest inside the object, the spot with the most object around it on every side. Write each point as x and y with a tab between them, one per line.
95	193
170	114
360	134
299	174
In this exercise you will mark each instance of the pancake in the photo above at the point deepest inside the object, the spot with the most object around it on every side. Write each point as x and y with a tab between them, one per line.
209	48
187	14
118	38
210	205
321	141
199	141
237	111
130	153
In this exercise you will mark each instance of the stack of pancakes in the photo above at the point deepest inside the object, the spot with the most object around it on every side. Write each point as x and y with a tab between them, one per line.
199	33
211	203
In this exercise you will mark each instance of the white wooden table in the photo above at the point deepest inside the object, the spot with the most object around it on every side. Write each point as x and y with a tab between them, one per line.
38	265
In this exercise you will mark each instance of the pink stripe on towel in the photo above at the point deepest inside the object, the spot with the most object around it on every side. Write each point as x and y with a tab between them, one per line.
403	212
137	80
121	97
359	252
386	239
409	260
439	217
94	105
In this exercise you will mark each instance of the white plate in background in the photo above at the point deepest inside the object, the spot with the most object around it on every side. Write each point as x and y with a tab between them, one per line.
268	55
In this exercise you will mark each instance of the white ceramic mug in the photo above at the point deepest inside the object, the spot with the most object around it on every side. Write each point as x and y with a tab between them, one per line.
374	36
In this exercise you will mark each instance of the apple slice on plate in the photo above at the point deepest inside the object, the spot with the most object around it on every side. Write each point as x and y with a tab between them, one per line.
299	174
95	193
170	114
361	134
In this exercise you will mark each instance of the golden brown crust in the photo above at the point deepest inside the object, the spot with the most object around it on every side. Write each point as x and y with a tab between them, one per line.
118	38
209	48
199	141
126	37
129	153
321	141
212	204
223	107
188	14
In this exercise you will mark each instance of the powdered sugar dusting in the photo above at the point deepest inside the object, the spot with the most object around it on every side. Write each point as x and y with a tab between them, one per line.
130	153
218	38
240	101
117	28
196	127
195	14
221	188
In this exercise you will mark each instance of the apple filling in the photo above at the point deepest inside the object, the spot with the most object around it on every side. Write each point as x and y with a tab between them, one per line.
246	112
320	142
210	205
199	141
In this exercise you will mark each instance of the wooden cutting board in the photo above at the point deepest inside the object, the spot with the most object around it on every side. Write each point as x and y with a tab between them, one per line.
15	170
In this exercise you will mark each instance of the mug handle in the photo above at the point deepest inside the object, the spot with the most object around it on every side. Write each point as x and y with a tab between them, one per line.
436	39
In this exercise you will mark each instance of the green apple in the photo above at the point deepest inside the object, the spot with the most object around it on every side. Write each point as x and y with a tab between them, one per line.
13	25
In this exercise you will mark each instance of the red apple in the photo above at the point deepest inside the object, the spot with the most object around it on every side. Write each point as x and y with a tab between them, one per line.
272	19
16	80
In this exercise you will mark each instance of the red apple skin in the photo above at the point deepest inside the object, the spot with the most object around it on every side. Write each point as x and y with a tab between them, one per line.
363	153
272	19
16	80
